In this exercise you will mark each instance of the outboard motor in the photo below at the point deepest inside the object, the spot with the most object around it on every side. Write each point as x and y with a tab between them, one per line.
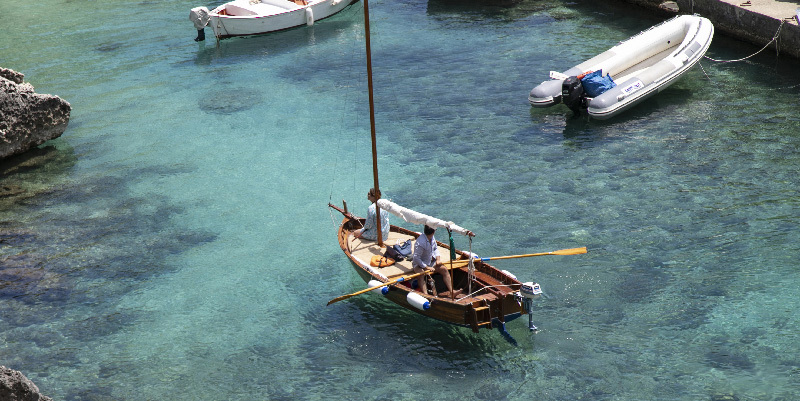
528	292
572	94
199	17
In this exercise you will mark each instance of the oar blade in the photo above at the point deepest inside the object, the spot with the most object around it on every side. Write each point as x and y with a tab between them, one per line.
573	251
337	299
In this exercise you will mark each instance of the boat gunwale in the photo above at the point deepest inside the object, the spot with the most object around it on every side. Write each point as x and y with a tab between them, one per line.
483	267
215	16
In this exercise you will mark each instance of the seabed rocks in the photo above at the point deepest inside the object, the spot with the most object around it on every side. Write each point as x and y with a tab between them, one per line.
27	119
14	386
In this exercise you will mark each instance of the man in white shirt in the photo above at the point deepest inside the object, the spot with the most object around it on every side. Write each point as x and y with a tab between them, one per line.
426	258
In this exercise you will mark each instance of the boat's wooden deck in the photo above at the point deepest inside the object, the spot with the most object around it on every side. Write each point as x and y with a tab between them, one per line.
364	250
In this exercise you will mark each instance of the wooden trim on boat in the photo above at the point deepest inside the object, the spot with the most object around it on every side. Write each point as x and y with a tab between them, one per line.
493	291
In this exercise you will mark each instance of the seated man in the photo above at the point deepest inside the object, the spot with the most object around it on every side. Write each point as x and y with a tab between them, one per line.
426	258
370	230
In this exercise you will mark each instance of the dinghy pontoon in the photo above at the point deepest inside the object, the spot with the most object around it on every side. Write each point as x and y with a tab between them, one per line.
632	71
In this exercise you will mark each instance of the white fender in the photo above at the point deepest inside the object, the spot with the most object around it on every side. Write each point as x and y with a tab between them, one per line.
380	290
418	301
309	16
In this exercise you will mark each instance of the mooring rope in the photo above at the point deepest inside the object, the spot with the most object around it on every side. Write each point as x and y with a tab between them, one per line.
774	89
774	38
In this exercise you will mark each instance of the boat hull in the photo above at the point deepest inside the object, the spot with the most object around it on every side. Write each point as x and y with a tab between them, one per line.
641	66
486	307
269	16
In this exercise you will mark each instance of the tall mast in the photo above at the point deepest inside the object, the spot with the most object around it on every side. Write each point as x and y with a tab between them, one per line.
372	125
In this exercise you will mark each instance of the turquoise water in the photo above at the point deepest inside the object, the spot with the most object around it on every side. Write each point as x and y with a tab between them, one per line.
175	242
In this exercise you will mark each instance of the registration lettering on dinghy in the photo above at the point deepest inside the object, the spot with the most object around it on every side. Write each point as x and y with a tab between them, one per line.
635	86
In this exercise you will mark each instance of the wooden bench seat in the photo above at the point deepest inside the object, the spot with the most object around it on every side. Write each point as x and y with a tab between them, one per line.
364	250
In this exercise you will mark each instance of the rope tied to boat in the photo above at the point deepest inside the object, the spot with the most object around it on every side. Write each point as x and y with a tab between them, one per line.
471	268
774	38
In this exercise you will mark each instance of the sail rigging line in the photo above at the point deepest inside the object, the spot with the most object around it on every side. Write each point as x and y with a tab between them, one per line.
376	185
470	269
352	90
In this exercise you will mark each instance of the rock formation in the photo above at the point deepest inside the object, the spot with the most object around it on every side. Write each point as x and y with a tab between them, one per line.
14	386
27	119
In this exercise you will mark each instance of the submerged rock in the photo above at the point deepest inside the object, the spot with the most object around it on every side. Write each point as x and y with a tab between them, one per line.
27	119
14	386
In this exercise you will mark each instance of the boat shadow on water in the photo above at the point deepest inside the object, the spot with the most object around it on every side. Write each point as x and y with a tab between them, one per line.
245	48
368	314
672	103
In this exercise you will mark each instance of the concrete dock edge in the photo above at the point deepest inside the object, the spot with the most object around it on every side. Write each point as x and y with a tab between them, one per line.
754	22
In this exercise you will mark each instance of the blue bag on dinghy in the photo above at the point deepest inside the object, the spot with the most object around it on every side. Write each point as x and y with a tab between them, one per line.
595	84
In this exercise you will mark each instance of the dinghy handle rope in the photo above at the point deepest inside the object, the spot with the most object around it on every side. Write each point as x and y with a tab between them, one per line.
774	38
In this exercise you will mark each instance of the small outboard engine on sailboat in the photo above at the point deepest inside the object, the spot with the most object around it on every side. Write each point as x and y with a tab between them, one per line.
528	292
572	94
199	17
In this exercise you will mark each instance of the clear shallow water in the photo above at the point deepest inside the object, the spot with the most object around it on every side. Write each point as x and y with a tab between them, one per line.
175	244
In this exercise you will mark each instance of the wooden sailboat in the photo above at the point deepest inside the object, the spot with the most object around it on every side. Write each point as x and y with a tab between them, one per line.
482	296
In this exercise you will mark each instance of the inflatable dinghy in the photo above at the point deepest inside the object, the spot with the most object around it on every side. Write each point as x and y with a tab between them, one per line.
631	71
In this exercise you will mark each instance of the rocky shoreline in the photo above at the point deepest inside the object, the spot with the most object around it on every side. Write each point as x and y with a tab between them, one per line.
14	386
28	119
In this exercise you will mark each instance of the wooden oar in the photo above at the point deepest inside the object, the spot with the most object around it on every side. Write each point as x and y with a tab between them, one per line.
571	251
393	282
459	263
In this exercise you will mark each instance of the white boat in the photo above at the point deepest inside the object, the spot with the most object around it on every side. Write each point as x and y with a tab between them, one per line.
640	67
253	17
